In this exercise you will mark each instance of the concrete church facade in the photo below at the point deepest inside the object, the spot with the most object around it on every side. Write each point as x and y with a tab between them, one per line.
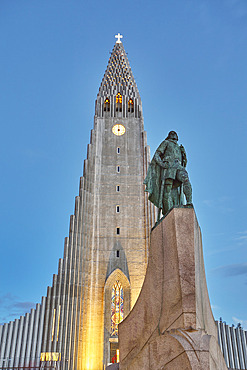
105	255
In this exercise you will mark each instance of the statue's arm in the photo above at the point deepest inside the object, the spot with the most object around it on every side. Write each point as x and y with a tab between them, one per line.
184	156
159	155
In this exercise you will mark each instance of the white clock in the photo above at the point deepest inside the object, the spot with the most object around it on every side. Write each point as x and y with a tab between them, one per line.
118	129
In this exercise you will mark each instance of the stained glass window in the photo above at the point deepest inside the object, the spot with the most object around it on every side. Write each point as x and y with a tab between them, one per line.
116	307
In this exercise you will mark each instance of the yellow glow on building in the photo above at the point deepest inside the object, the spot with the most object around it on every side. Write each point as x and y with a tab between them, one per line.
53	323
50	356
91	349
59	312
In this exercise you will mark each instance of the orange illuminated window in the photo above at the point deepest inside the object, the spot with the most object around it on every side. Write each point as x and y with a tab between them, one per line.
119	98
107	105
119	101
130	106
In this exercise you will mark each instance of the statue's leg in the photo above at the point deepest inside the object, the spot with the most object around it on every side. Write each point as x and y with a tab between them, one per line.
167	198
182	176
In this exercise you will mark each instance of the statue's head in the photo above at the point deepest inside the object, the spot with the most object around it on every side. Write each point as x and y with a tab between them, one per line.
172	135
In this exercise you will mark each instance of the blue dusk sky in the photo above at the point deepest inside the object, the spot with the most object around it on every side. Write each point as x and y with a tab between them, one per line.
189	60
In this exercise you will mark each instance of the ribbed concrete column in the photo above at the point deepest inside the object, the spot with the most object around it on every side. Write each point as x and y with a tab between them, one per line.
1	331
8	342
53	313
24	339
63	317
235	348
29	338
244	344
13	342
76	296
229	345
35	335
240	348
19	341
3	342
47	320
40	331
69	289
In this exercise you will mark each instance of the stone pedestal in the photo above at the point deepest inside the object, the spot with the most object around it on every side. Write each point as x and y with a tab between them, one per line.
171	325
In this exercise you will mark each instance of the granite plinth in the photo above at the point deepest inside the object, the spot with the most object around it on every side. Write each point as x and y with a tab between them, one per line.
171	325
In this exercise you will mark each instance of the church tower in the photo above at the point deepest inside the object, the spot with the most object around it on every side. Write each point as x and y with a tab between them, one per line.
105	255
118	216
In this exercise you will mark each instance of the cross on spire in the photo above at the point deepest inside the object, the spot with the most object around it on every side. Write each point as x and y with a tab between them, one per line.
118	37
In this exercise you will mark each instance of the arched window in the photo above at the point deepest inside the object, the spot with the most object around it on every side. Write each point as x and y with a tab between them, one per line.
107	105
119	102
117	313
130	106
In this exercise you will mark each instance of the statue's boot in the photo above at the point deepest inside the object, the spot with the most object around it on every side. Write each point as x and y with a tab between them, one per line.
187	191
167	203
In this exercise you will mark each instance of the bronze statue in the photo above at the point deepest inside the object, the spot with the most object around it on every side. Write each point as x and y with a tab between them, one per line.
167	179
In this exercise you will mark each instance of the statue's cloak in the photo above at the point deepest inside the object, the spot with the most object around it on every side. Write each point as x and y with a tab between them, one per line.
153	182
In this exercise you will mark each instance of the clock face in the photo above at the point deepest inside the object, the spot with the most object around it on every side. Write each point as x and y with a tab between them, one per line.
118	129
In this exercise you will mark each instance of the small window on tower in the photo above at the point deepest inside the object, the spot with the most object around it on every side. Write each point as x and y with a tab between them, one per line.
118	230
130	106
107	105
118	169
119	102
118	188
117	253
117	209
118	150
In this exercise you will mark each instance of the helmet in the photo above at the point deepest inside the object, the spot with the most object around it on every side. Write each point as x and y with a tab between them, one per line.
172	133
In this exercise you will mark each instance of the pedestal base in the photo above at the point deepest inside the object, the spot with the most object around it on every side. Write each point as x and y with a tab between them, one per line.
171	325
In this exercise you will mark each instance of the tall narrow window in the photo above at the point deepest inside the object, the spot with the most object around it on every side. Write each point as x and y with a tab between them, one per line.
118	230
117	312
107	105
118	150
117	209
118	169
119	102
130	106
117	188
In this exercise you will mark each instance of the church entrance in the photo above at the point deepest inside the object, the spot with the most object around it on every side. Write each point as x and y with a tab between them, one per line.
114	352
